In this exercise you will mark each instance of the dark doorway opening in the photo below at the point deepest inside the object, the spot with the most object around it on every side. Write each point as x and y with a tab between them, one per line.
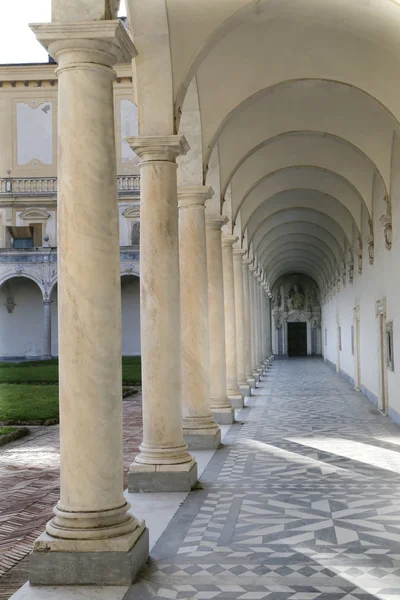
297	339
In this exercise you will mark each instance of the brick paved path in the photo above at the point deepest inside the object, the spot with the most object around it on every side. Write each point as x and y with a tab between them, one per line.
29	488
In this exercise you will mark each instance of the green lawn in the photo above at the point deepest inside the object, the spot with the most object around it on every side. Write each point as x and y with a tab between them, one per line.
46	371
7	430
28	403
35	398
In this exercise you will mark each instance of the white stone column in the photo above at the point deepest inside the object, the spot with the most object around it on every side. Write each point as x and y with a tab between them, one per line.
163	464
285	337
257	320
269	325
232	385
252	287
221	408
240	320
46	329
92	538
262	322
199	428
247	324
309	338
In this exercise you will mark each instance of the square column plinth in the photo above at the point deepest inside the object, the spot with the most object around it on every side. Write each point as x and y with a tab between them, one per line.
202	440
245	389
236	400
113	561
162	478
223	416
252	383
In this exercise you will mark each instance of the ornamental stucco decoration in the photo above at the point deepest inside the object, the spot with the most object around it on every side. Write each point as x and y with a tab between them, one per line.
371	247
386	221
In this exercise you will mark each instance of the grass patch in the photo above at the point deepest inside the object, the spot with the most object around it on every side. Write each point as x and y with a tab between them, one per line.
7	430
45	372
32	404
29	390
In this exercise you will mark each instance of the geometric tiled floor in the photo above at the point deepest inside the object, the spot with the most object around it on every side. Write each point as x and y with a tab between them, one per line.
302	503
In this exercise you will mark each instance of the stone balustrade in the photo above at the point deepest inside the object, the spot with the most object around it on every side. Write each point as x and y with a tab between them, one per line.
47	186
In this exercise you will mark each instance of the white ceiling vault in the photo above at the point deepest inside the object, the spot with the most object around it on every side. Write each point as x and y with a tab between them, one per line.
292	112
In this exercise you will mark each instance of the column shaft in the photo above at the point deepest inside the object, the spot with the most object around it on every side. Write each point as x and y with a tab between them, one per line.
163	463
199	428
240	321
47	329
232	387
255	372
221	408
247	323
92	530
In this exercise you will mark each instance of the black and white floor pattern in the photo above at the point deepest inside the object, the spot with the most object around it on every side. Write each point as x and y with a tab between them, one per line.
301	503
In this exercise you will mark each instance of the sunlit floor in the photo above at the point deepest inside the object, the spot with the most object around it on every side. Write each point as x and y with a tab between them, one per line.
303	501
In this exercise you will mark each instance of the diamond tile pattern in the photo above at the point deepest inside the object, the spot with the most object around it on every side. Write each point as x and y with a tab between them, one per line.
302	502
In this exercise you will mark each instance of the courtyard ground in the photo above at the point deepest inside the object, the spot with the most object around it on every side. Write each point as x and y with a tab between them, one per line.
29	488
300	503
29	390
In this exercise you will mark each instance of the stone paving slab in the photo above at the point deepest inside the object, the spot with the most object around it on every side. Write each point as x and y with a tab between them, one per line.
29	488
302	502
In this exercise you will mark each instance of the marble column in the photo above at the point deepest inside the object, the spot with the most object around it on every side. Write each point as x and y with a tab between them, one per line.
232	387
92	537
261	321
268	324
309	338
257	321
247	324
252	287
46	329
199	428
221	408
163	463
240	320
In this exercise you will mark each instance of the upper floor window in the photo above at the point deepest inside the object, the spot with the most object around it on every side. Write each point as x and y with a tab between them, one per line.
135	239
26	236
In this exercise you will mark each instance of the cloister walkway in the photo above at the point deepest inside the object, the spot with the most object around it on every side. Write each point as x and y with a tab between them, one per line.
302	503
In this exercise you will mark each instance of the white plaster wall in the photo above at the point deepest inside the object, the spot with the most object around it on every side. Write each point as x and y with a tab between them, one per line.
130	292
21	332
34	132
129	128
378	281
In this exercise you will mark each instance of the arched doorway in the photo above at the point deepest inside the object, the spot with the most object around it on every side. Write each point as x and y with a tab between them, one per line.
21	319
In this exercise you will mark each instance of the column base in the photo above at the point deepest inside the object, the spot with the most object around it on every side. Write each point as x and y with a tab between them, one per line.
202	439
112	561
252	383
236	400
245	389
223	416
256	375
162	478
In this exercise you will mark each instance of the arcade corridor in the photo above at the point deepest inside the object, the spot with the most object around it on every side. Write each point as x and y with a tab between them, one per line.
302	502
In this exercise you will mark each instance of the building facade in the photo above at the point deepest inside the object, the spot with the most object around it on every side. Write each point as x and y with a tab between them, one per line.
28	211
